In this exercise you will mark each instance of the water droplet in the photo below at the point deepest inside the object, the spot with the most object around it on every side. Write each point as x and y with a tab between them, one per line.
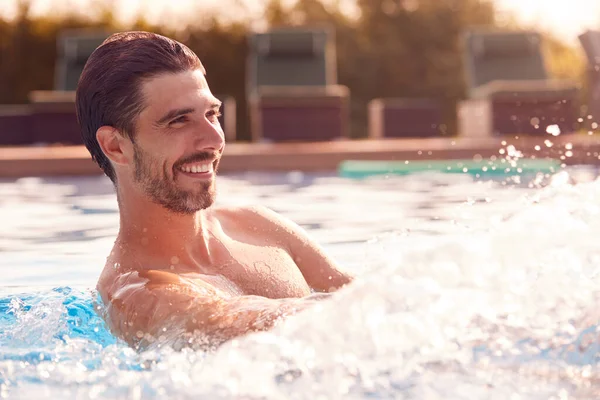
174	260
537	147
553	130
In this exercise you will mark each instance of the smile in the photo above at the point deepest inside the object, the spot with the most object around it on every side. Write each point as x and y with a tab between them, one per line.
197	168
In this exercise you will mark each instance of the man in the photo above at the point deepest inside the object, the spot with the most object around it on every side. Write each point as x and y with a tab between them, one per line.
180	264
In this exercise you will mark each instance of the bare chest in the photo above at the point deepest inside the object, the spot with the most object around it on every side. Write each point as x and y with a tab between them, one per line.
259	270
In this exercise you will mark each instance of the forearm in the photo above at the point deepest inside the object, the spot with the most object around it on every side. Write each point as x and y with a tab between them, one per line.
330	281
230	318
198	320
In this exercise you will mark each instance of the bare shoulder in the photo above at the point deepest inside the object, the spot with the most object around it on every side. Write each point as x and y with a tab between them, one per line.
250	211
258	217
320	271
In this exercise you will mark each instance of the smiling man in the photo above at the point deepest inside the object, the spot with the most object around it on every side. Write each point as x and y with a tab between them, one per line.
179	263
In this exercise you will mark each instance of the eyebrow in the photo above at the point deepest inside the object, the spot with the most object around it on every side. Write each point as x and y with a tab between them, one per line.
177	112
174	113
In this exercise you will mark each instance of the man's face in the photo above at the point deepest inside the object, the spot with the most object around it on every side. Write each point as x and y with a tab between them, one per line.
178	142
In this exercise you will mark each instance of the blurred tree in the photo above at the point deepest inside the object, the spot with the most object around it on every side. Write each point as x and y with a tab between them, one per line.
413	48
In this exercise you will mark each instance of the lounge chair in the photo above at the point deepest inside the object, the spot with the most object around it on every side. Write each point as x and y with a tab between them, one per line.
509	89
292	87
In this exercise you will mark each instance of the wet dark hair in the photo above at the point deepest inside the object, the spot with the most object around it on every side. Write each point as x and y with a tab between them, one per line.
109	88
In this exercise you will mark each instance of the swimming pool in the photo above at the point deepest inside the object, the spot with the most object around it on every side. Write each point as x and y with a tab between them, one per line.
467	289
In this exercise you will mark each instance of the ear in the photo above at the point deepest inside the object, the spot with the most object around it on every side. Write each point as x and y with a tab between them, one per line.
113	144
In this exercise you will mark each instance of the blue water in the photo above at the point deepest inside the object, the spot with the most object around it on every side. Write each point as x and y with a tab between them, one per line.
80	319
466	289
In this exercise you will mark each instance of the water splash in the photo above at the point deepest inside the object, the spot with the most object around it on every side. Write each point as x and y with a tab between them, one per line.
504	307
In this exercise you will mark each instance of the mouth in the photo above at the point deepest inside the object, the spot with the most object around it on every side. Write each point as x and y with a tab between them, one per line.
203	169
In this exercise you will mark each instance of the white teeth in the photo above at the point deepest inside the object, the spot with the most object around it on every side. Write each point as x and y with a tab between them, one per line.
198	168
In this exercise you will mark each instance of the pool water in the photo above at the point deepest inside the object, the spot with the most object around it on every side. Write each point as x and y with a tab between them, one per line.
467	289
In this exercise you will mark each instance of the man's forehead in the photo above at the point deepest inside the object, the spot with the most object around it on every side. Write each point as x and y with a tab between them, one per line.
175	89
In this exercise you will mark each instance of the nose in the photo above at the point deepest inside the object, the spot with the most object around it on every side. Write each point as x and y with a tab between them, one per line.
210	136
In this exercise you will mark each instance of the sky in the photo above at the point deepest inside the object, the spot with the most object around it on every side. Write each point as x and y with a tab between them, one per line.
565	18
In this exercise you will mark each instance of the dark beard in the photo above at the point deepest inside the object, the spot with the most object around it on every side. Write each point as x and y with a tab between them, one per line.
157	184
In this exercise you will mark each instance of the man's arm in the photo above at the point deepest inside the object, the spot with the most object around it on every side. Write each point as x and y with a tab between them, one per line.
153	303
319	270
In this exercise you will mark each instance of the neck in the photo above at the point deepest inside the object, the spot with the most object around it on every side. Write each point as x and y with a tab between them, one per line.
149	231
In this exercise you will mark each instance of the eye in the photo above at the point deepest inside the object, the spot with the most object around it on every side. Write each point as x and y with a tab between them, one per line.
213	115
179	120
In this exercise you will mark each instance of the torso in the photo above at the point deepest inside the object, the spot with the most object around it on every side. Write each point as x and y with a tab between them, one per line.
245	259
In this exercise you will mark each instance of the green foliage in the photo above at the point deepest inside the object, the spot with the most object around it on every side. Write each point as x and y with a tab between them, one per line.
389	48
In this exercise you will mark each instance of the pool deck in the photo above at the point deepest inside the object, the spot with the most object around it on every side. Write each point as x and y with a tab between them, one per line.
16	162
